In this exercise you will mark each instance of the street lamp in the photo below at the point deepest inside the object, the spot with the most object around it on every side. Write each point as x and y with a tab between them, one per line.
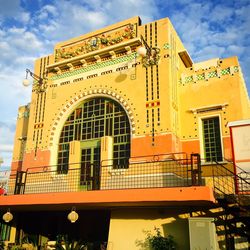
39	84
150	55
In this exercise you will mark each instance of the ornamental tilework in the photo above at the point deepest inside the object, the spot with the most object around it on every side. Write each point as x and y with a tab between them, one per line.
201	77
236	69
189	79
212	74
96	66
225	71
166	46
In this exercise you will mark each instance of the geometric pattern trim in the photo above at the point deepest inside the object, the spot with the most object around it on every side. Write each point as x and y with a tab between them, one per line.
90	93
152	104
225	71
189	79
211	74
96	66
166	46
38	125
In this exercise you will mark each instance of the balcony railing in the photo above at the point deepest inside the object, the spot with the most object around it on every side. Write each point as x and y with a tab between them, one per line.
155	172
227	182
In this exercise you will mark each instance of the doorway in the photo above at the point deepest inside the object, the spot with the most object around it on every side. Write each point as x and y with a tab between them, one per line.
90	164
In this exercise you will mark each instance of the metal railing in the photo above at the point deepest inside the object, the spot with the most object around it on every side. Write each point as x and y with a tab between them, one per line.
156	172
228	182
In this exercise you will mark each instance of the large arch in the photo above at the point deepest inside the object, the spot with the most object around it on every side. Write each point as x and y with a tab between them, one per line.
72	104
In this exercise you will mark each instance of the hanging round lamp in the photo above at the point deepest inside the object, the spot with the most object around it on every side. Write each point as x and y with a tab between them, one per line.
7	217
142	51
73	215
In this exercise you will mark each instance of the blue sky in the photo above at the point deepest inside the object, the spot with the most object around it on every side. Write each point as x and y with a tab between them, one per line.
30	28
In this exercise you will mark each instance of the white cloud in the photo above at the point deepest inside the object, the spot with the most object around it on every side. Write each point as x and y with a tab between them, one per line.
47	10
221	13
24	17
26	41
6	148
71	19
25	60
236	50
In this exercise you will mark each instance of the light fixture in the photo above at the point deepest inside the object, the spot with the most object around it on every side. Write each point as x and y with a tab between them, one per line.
150	55
7	217
142	51
39	84
73	215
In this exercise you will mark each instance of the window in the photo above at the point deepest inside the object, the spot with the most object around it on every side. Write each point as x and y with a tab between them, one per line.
212	139
94	119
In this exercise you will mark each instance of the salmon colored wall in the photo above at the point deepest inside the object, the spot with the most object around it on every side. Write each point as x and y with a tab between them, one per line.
41	158
227	148
142	146
191	146
194	147
16	166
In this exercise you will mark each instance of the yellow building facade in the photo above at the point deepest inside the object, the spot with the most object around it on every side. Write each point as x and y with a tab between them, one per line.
165	103
113	120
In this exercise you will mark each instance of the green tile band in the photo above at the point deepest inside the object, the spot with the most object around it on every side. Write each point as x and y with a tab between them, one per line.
96	66
211	74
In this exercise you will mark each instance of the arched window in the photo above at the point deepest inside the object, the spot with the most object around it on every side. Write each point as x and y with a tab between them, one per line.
91	120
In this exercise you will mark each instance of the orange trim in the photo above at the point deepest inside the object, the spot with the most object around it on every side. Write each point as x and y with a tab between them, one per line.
245	160
113	197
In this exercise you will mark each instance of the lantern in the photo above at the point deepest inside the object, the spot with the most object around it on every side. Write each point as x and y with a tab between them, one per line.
7	217
73	215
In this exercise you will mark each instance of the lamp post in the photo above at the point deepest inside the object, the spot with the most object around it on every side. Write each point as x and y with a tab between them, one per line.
39	83
150	55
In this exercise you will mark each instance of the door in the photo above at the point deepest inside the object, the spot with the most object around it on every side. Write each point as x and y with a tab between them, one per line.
90	165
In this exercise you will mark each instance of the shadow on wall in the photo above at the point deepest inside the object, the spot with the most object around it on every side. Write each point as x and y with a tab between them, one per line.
178	227
121	77
175	230
179	230
157	241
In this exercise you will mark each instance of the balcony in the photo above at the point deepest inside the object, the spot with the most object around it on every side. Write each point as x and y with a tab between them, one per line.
152	180
162	171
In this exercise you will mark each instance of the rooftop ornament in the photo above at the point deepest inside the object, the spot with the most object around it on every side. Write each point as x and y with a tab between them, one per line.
39	85
150	55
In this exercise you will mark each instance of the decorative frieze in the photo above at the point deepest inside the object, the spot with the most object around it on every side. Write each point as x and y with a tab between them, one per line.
122	59
96	42
207	75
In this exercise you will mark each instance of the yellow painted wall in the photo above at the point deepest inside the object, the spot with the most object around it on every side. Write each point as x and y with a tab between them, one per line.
20	135
129	227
